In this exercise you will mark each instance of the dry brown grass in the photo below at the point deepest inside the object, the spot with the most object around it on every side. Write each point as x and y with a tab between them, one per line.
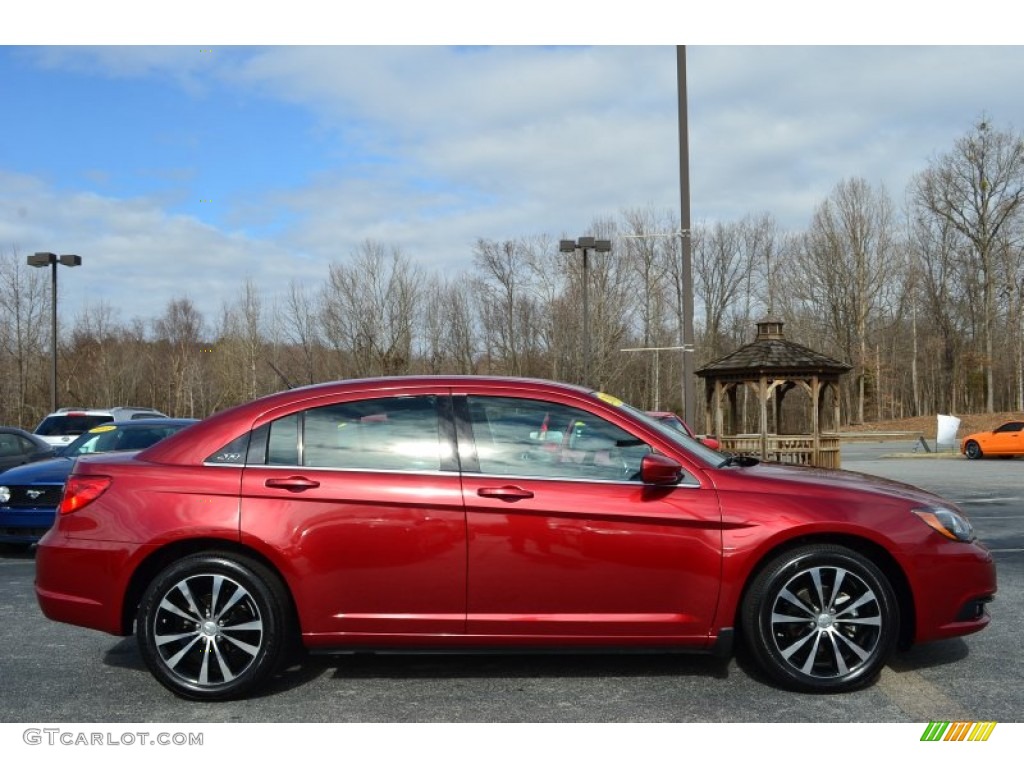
928	425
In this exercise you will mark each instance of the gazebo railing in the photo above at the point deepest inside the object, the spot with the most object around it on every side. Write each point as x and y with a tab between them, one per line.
787	449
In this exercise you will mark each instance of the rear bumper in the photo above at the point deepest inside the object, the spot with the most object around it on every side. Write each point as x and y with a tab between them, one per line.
78	582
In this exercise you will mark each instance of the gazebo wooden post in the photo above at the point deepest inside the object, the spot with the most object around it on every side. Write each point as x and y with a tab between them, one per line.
815	421
762	397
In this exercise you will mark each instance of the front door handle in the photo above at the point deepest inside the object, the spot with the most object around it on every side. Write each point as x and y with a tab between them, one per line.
293	483
506	492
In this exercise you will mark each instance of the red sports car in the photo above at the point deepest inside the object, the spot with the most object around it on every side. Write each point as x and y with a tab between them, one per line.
475	513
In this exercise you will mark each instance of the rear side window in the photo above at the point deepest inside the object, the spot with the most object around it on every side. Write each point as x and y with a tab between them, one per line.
393	433
396	433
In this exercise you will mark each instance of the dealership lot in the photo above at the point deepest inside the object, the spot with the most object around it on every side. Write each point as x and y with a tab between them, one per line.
59	673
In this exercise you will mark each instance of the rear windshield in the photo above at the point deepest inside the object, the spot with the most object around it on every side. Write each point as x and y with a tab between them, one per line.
70	424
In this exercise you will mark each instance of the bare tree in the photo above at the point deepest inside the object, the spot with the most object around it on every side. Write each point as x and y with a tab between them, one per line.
448	327
722	269
978	189
507	309
24	307
301	329
847	267
650	252
241	347
180	330
369	309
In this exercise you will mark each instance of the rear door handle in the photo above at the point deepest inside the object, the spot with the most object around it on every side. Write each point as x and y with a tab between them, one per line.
294	483
506	492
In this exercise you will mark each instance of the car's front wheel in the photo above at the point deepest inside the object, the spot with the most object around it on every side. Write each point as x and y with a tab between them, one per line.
972	450
821	618
213	626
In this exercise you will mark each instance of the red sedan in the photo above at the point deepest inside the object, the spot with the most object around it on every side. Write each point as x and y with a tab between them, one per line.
475	513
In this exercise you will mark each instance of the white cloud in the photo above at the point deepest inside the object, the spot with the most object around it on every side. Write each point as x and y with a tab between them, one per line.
511	142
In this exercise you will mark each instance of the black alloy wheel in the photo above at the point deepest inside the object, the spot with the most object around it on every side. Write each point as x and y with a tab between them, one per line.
821	618
214	626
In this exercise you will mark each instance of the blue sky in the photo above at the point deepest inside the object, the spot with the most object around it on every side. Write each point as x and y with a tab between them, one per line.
184	168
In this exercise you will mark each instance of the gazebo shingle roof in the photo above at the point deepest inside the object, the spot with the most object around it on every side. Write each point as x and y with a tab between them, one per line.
772	354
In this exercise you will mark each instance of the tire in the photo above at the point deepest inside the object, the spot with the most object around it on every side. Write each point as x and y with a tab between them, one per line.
214	626
820	619
973	451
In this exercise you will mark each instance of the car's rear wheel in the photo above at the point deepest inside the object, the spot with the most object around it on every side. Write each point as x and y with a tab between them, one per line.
214	626
821	618
973	451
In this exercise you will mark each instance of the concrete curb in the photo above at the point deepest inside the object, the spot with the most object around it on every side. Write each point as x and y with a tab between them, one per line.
924	455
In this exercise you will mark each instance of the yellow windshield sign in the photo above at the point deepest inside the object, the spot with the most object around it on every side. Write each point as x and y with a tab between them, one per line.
610	399
101	428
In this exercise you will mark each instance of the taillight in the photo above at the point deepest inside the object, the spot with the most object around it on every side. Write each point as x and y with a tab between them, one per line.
81	490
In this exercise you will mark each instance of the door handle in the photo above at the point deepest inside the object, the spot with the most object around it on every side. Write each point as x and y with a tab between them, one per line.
506	492
294	483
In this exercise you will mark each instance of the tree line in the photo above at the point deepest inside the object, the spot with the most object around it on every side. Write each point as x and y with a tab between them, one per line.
925	300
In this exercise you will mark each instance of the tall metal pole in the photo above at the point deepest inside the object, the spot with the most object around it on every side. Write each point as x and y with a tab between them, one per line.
53	336
584	245
51	260
586	319
687	341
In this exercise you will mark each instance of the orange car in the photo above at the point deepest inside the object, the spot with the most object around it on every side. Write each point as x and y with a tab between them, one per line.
1004	440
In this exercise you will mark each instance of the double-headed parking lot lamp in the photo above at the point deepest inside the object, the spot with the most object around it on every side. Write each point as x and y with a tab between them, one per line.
43	259
583	245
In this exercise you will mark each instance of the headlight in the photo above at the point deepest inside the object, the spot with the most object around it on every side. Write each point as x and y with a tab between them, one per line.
5	494
950	524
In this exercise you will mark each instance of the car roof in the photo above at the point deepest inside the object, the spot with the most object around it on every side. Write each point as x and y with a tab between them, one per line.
147	422
18	431
216	430
101	411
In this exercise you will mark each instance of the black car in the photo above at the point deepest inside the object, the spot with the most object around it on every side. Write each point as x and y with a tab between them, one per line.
19	447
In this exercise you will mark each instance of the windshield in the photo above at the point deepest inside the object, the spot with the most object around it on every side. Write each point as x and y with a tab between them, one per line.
69	424
689	443
110	438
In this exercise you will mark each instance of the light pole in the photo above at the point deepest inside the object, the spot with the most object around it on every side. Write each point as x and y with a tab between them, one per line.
44	259
583	245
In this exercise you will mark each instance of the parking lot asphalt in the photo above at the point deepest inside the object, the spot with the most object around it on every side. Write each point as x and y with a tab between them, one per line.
52	672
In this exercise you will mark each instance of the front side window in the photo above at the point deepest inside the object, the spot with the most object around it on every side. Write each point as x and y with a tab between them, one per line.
533	438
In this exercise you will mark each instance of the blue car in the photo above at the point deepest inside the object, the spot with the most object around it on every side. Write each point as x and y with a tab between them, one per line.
29	494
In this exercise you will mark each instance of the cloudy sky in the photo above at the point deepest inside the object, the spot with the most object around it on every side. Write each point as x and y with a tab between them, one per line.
182	170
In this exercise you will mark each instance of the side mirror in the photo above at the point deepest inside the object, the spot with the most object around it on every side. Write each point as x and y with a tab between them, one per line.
656	469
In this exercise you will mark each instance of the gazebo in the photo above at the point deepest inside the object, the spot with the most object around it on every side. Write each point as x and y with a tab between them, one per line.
771	367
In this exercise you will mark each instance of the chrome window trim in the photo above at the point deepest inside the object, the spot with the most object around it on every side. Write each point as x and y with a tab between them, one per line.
453	473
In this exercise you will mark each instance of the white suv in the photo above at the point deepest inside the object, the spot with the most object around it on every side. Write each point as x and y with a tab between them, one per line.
64	425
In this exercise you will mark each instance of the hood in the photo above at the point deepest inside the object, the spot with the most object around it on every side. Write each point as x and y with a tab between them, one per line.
50	471
825	482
